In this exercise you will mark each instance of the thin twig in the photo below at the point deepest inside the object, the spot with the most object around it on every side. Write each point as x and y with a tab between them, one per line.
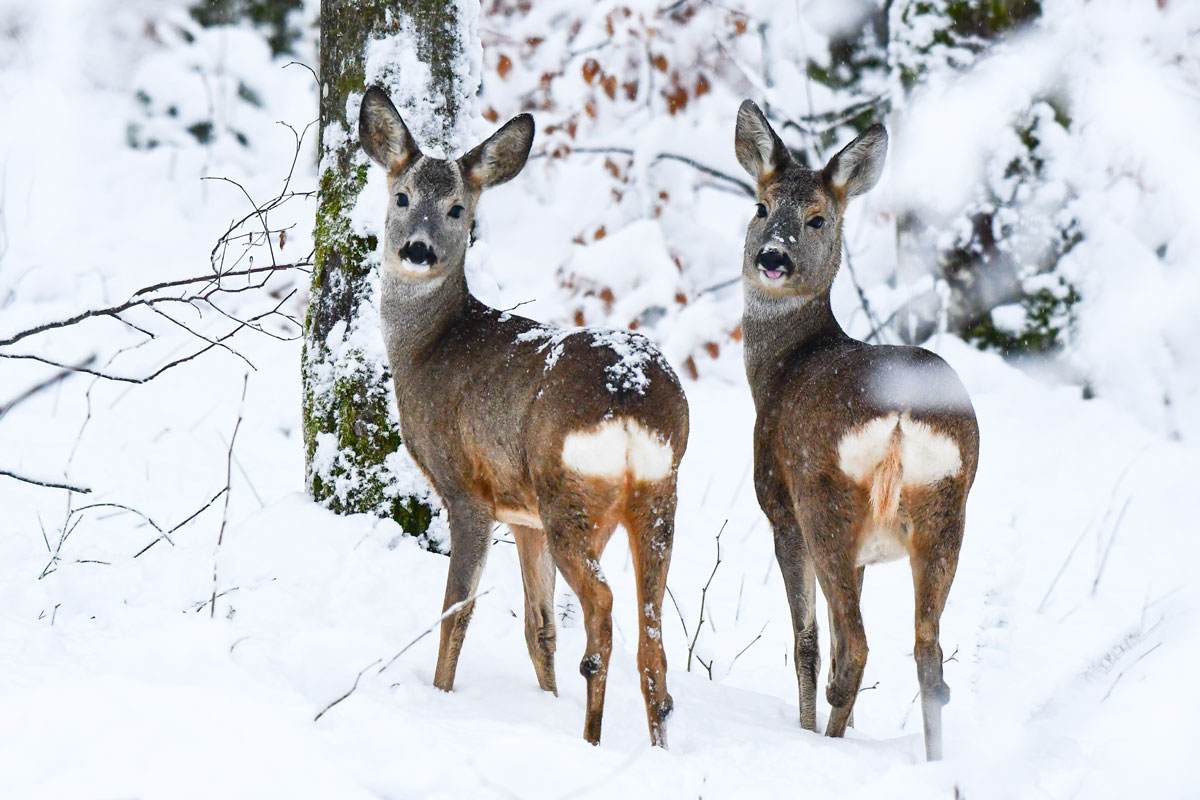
1111	539
747	647
228	484
678	611
877	326
189	518
703	598
1121	674
453	609
349	691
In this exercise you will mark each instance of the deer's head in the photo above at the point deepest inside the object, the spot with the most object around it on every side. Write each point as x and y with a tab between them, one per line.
432	201
793	242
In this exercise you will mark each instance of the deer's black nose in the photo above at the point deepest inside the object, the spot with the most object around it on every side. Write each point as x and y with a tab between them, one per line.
773	260
419	253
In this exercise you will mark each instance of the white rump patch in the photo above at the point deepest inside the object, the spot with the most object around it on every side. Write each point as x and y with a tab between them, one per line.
926	455
618	447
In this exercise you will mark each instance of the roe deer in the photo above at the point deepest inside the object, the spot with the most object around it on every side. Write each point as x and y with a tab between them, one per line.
560	434
862	453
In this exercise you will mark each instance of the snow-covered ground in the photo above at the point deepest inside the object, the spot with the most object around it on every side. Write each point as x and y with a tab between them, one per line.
1071	630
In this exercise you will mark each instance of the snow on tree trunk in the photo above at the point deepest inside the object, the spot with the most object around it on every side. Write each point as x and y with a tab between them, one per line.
426	54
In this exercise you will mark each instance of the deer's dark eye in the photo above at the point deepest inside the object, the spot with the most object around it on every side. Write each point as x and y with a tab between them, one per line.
816	222
402	200
456	211
761	210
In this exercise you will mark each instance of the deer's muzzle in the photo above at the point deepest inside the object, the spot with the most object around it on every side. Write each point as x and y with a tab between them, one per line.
418	253
774	263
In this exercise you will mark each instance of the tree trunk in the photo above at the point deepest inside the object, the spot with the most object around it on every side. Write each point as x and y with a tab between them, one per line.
354	458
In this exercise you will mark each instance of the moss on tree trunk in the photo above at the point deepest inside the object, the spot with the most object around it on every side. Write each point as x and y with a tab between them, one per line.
349	422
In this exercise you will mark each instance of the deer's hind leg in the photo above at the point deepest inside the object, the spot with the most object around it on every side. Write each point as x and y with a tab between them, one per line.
833	639
577	533
537	574
470	537
799	583
829	515
936	541
651	526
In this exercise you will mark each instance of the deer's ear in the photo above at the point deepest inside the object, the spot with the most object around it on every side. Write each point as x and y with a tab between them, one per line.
759	149
382	132
857	167
502	156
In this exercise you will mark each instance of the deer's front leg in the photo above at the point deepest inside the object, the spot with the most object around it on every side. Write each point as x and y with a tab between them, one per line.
470	537
537	574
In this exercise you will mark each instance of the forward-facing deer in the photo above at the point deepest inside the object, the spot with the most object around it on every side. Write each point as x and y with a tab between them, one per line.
862	453
562	435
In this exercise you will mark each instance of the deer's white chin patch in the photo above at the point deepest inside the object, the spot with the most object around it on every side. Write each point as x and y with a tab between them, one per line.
414	268
772	278
616	448
404	268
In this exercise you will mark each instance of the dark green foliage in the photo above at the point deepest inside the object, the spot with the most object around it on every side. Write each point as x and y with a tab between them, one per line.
249	95
203	131
985	19
270	16
1048	315
854	54
857	61
959	29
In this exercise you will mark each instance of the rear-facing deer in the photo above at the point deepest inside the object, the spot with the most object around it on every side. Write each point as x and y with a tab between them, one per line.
862	454
560	434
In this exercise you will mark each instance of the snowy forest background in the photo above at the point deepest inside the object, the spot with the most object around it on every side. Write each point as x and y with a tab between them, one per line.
173	630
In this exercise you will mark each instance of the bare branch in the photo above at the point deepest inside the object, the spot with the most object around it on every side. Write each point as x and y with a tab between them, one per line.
46	483
46	384
742	186
877	327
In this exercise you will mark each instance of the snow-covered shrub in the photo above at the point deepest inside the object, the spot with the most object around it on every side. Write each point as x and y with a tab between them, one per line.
999	248
202	87
1023	224
277	19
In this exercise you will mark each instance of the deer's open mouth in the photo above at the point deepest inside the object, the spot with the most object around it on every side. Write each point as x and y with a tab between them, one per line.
772	276
774	266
